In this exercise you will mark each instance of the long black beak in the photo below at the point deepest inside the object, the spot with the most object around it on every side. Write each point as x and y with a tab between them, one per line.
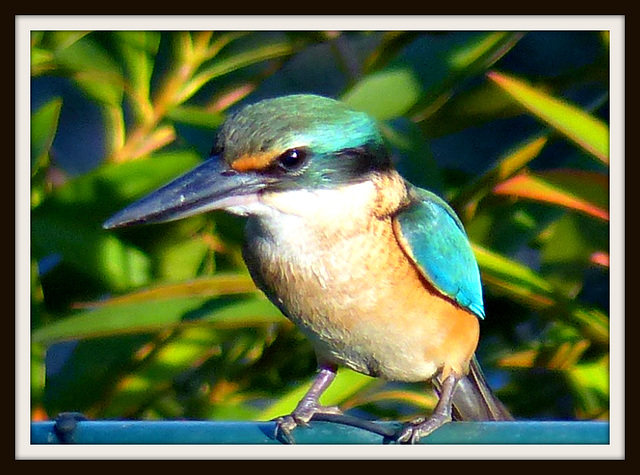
211	185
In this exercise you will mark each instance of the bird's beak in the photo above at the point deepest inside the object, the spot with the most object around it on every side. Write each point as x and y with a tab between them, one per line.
211	185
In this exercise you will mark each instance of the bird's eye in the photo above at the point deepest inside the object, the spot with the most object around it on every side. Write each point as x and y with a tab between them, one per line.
293	159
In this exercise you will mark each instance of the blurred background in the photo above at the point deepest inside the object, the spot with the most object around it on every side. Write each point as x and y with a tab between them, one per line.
163	321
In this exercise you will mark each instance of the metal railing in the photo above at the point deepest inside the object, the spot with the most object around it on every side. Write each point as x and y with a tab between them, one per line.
74	430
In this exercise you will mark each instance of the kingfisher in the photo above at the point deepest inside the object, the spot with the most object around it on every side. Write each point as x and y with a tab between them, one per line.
377	273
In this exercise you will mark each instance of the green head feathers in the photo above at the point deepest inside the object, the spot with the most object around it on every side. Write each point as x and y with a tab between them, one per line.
335	142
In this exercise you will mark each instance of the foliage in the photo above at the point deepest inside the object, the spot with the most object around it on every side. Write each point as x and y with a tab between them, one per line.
163	321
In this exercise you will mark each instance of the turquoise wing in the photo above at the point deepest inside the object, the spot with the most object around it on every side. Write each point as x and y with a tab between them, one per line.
434	237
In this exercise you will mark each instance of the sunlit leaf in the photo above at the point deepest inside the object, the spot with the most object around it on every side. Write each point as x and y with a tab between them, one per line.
158	365
196	116
346	384
150	316
585	130
234	62
44	123
63	39
95	71
482	52
601	258
138	49
385	94
38	370
590	383
216	285
582	191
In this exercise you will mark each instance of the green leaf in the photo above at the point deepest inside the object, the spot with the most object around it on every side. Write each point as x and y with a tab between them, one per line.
160	314
197	116
346	384
90	249
582	128
60	40
451	64
513	278
38	371
138	50
481	52
164	365
93	68
385	94
567	249
521	284
122	182
214	286
220	67
44	123
69	221
590	384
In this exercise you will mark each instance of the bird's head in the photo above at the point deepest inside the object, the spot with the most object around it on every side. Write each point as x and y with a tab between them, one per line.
298	142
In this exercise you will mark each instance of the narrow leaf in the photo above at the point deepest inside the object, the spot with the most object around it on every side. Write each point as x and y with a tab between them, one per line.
585	130
44	123
504	169
149	316
219	284
346	384
578	190
235	62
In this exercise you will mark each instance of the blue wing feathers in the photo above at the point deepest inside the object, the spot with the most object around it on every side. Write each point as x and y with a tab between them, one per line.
441	249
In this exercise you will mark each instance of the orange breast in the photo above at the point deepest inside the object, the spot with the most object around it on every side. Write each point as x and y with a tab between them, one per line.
360	300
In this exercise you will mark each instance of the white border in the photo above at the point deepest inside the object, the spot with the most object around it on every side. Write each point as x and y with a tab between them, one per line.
24	24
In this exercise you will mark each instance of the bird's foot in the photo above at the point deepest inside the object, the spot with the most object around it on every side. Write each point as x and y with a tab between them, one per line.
301	416
421	427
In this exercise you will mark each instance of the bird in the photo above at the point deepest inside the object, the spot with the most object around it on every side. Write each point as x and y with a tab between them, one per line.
377	273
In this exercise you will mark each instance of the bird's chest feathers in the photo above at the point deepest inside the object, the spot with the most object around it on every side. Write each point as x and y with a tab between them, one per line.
313	241
331	262
328	261
319	253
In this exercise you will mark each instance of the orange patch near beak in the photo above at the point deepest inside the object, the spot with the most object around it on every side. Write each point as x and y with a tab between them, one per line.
253	162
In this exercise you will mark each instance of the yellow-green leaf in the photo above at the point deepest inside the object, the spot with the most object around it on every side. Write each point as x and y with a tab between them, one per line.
346	384
582	128
44	123
216	285
385	94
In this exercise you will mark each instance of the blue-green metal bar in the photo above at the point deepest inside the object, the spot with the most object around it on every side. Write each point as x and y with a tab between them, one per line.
318	432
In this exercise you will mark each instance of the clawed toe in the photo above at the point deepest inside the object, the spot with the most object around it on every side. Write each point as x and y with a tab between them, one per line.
284	427
300	417
415	430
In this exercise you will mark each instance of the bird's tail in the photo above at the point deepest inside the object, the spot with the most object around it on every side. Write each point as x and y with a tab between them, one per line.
473	399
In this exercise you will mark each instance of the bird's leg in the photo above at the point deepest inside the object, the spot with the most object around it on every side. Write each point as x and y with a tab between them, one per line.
309	405
422	427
